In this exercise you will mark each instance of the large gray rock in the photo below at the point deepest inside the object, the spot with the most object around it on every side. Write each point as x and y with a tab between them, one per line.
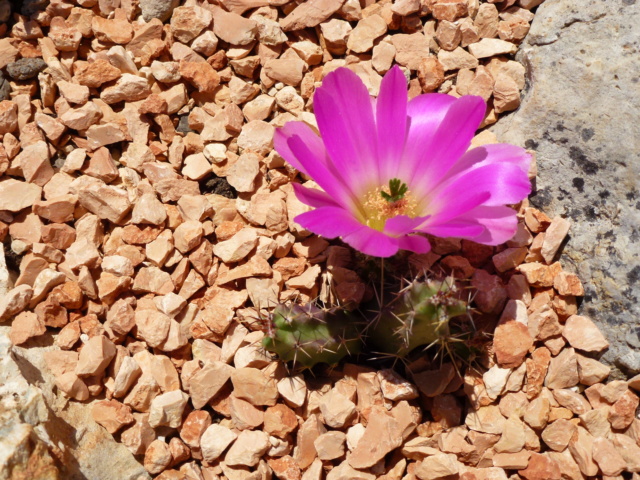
43	435
581	113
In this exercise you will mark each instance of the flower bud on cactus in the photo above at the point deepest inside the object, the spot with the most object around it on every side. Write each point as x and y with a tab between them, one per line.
308	335
419	316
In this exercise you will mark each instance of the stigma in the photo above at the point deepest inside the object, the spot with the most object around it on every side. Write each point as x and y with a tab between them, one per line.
382	203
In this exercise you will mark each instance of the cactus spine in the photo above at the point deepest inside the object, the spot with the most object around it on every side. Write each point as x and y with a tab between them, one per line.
419	316
309	335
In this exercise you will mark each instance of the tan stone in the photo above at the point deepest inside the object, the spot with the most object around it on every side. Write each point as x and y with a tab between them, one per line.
15	301
293	390
16	195
308	432
623	410
128	87
309	14
200	74
247	449
337	409
95	356
558	434
194	426
456	59
157	457
381	436
592	371
208	381
26	325
581	448
605	454
111	414
629	450
440	465
215	440
96	73
563	370
568	284
237	247
252	385
167	409
541	467
411	50
537	413
572	400
511	461
511	342
139	436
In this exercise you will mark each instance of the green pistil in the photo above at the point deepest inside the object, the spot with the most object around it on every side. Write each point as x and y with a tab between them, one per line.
397	190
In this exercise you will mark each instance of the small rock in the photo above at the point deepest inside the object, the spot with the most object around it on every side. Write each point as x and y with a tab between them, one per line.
26	68
337	410
583	334
25	326
252	385
157	457
440	465
111	414
310	14
208	381
558	434
160	9
623	410
167	409
95	356
366	31
541	467
248	448
381	436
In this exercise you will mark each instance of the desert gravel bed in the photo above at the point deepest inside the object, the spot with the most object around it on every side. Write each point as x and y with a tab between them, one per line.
148	223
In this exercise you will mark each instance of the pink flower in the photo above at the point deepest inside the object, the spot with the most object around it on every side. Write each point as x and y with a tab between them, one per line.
392	169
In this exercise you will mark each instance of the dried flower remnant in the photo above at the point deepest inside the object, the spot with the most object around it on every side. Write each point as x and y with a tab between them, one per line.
393	169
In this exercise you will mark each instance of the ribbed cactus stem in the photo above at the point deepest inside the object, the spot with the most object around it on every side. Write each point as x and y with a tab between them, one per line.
419	316
310	335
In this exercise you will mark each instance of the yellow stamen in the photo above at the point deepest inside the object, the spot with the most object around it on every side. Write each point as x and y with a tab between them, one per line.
377	210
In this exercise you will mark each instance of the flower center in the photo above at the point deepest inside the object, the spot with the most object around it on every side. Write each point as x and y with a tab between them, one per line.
382	203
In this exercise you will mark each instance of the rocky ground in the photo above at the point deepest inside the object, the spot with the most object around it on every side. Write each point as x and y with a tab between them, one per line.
147	222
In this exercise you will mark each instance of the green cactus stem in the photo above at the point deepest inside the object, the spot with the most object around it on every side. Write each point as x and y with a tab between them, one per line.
418	316
308	335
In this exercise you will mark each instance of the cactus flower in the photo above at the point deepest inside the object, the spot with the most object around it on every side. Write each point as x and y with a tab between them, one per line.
391	169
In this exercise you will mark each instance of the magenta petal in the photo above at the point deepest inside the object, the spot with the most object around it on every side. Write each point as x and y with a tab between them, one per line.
297	159
372	242
344	114
490	185
391	121
313	197
500	224
425	113
457	229
488	154
450	142
403	225
414	243
304	150
330	222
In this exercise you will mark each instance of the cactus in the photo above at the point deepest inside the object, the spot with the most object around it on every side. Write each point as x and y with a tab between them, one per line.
418	316
308	335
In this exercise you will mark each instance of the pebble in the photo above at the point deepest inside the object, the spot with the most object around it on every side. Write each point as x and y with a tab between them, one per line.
215	440
247	449
25	68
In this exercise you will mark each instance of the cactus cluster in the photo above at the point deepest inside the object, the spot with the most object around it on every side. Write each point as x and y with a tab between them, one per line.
417	316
